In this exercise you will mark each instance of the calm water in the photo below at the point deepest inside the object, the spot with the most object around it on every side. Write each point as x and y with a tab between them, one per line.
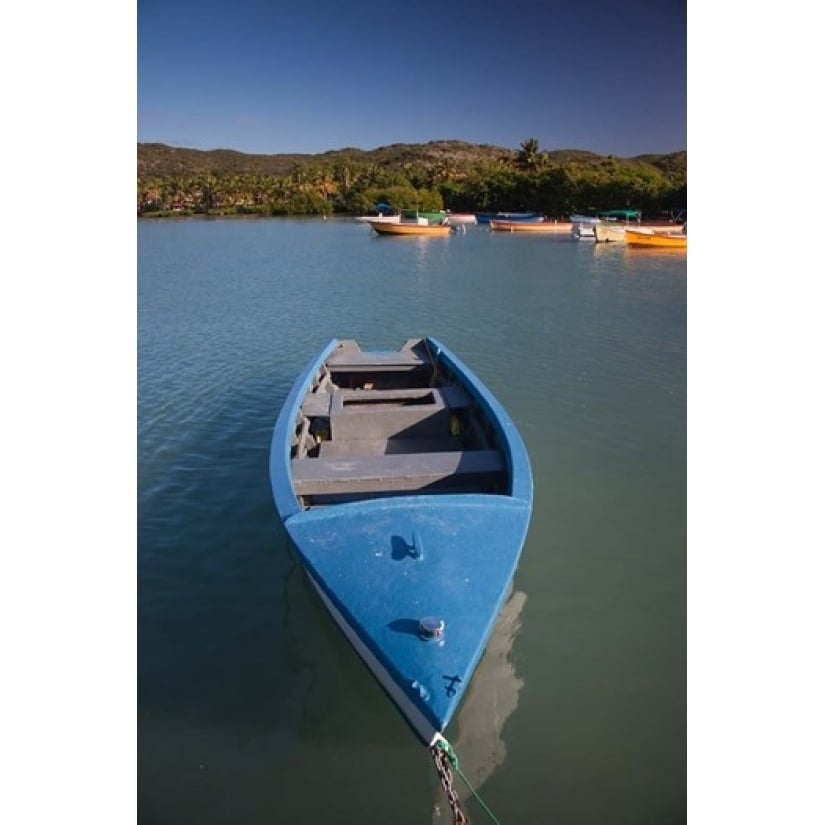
253	709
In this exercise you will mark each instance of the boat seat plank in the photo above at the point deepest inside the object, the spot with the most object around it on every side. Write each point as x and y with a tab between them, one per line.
452	395
317	404
320	404
318	476
392	446
374	361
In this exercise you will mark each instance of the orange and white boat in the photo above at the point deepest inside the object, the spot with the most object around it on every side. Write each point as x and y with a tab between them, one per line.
402	228
529	226
656	240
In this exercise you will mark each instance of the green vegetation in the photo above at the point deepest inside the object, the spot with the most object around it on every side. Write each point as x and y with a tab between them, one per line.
462	177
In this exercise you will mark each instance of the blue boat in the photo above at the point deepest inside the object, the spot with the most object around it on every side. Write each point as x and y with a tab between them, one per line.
486	217
406	491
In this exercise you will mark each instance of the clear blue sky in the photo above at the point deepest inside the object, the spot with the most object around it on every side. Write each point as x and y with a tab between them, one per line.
267	77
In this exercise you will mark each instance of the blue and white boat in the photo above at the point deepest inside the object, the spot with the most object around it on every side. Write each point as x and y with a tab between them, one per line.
486	217
406	490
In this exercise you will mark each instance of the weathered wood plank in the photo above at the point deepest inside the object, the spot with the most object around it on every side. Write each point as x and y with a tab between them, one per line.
316	404
392	446
345	360
389	472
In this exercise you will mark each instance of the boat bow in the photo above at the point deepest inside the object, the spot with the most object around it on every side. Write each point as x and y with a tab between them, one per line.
408	559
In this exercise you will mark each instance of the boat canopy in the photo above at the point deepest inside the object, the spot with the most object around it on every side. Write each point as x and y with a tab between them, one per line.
621	214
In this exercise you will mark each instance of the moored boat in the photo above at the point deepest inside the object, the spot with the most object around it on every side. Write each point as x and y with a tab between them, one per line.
545	227
653	239
609	233
406	491
487	217
610	227
583	227
406	228
461	219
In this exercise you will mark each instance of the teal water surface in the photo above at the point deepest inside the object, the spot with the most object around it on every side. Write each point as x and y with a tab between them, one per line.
252	708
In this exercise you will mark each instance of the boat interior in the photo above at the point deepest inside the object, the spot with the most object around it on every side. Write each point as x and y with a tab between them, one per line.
391	423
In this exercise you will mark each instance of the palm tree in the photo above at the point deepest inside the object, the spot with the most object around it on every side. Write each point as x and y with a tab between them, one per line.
529	156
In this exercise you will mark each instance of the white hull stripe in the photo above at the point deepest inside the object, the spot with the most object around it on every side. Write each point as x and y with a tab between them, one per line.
422	726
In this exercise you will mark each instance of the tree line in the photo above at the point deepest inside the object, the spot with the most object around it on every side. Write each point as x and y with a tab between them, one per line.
555	183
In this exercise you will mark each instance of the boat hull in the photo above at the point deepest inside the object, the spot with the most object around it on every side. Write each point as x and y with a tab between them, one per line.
430	230
488	217
527	226
461	219
609	233
470	551
383	563
656	240
583	227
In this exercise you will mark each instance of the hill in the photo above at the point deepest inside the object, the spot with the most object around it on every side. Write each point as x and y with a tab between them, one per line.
440	174
161	161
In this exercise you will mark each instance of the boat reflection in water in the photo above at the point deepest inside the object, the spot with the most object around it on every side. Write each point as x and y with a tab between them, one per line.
491	698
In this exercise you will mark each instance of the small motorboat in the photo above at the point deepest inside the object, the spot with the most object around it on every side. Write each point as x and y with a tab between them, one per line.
411	228
487	217
657	240
547	227
461	219
583	227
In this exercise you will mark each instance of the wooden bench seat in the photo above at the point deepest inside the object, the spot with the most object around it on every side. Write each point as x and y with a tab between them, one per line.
363	448
317	405
349	361
320	404
415	471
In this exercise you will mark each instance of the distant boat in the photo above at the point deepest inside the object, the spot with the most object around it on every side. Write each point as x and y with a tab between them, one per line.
461	219
408	228
583	226
609	233
613	222
658	240
380	212
406	491
545	227
486	217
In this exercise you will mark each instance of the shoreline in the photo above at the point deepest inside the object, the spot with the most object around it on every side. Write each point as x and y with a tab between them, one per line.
559	227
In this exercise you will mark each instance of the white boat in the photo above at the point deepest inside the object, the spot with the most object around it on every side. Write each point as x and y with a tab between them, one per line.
583	227
609	232
379	218
461	219
613	223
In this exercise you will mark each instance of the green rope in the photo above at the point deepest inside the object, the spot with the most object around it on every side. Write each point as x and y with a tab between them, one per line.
453	757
